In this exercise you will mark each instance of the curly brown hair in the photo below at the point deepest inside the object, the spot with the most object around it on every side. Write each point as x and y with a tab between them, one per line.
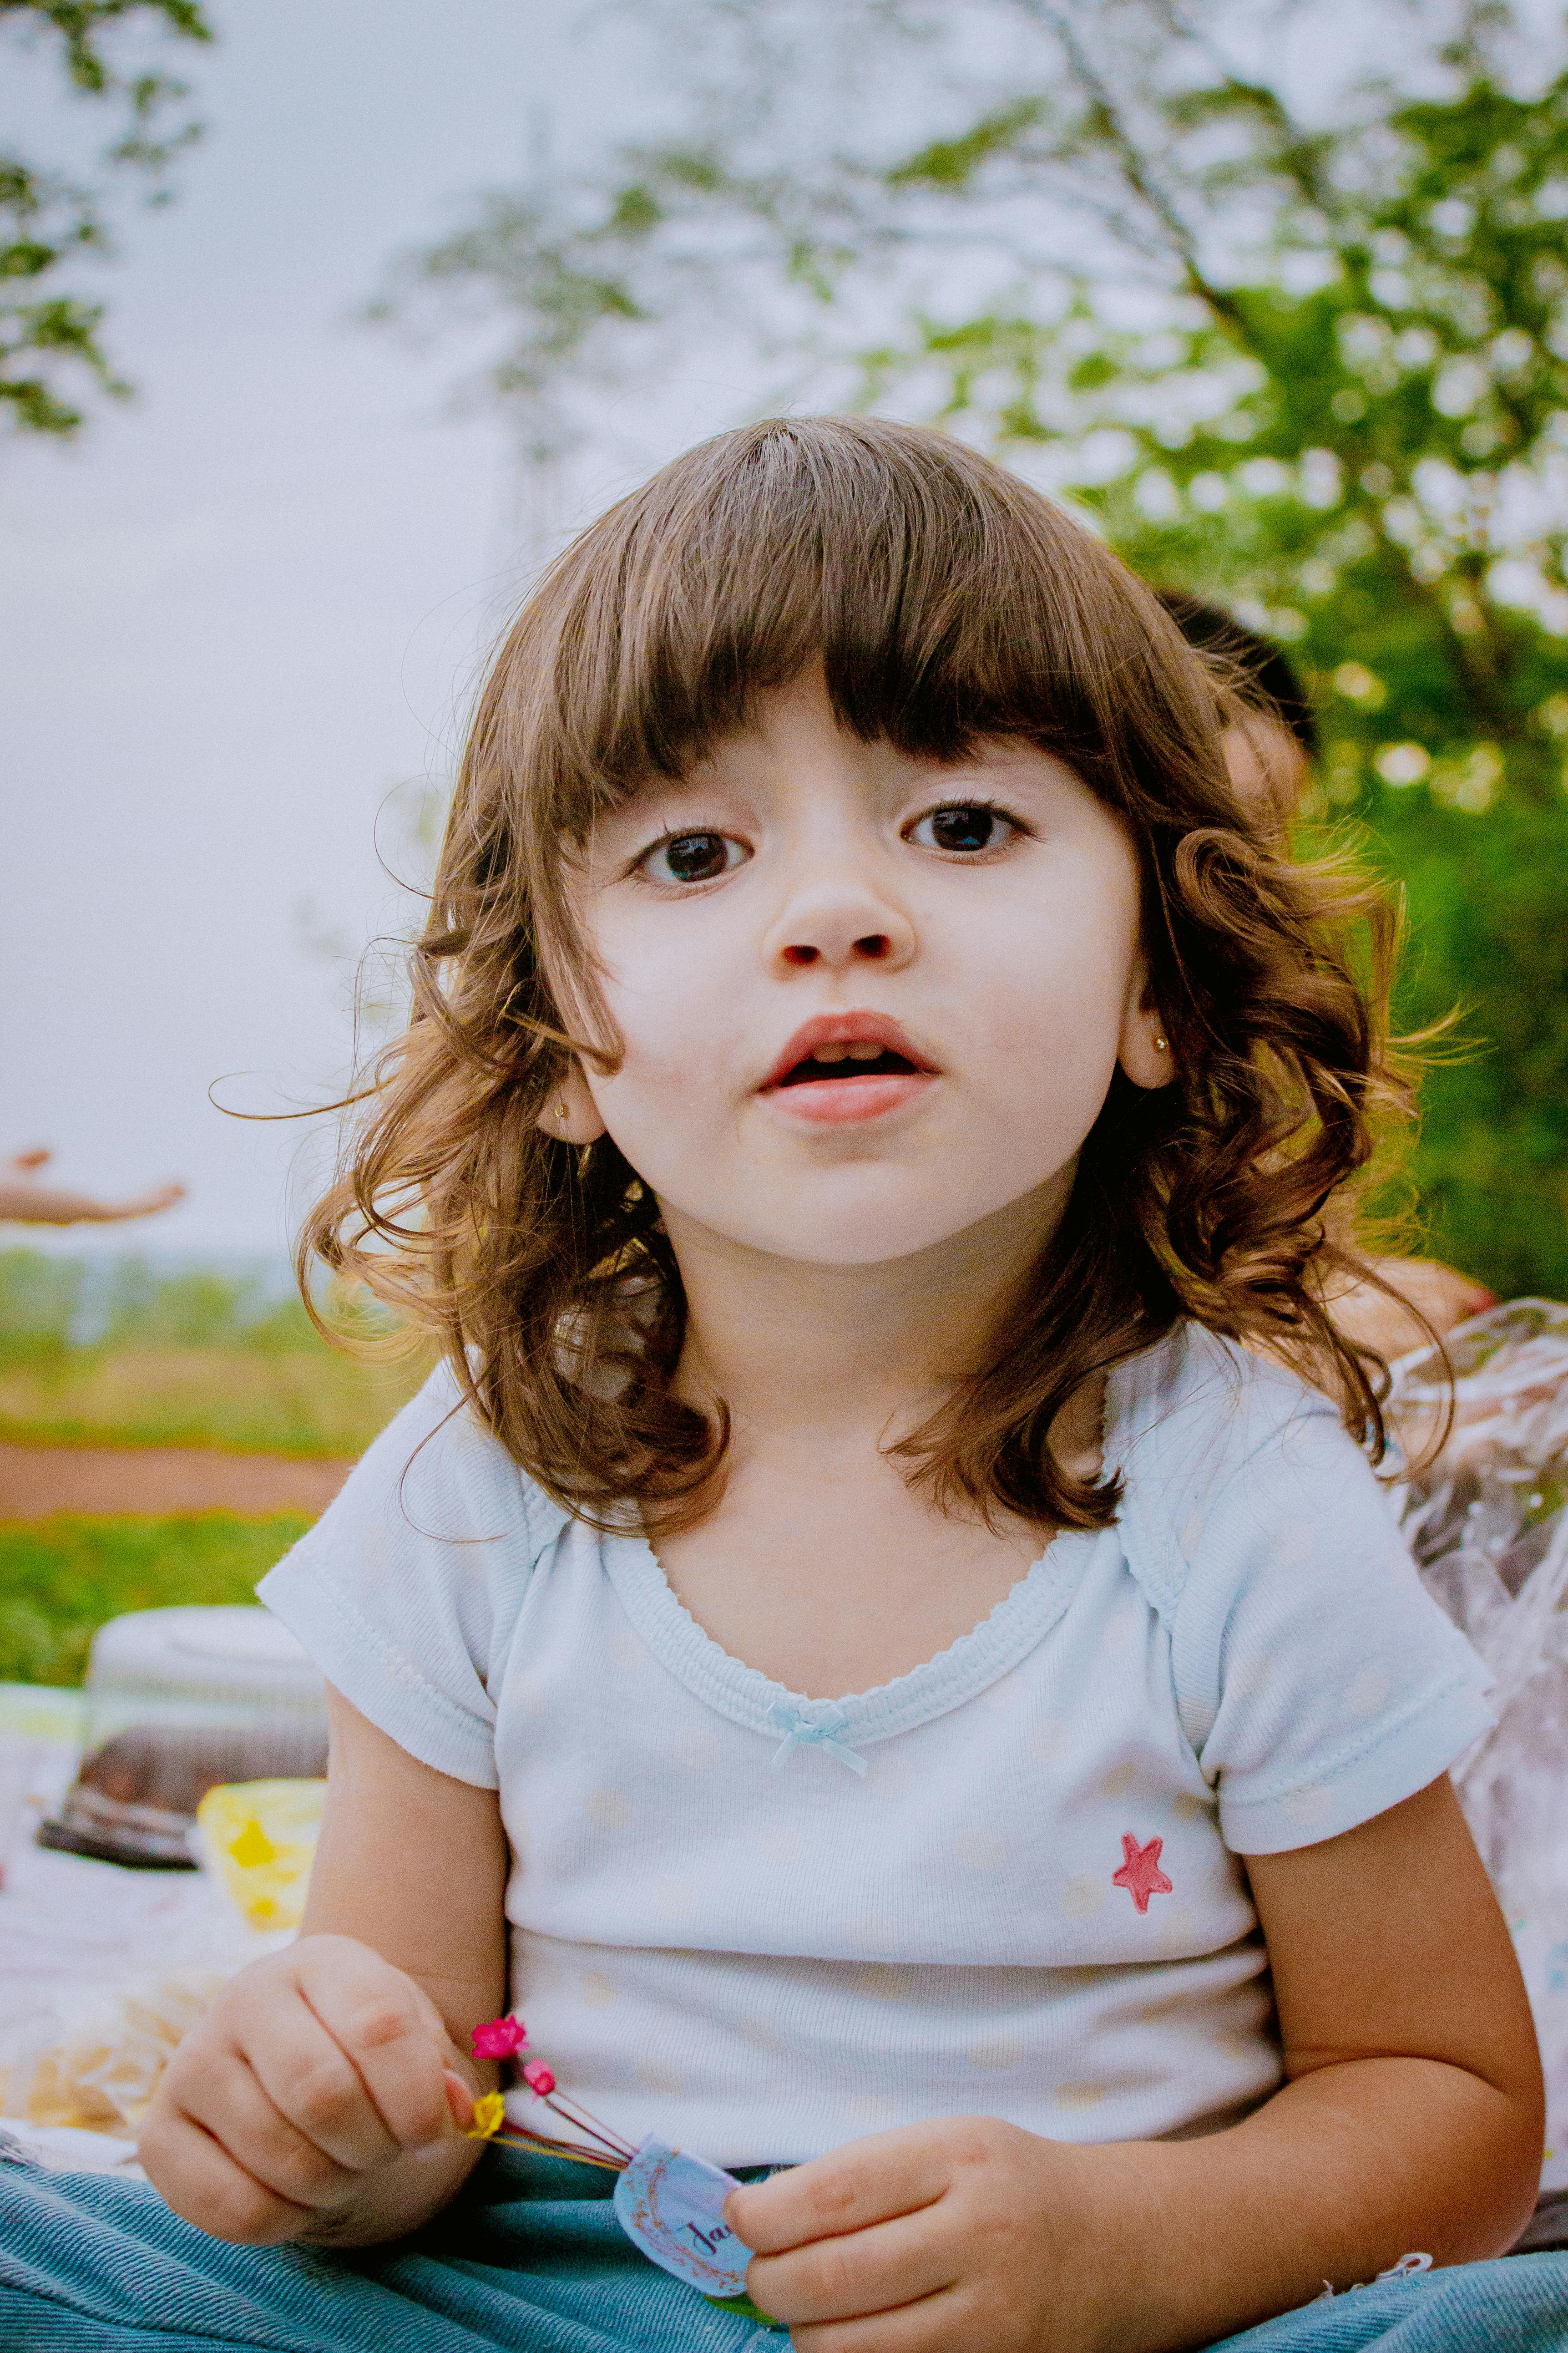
947	603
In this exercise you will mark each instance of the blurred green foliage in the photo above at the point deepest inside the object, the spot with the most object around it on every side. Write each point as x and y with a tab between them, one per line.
1309	363
49	332
1488	903
61	1579
127	1354
52	1307
1370	471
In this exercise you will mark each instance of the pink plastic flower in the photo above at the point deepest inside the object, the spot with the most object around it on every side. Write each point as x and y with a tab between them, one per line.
500	2038
539	2079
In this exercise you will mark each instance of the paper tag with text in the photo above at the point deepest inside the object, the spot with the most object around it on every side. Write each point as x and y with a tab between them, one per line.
672	2205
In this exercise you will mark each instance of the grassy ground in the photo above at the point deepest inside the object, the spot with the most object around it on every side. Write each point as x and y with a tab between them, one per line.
131	1353
61	1579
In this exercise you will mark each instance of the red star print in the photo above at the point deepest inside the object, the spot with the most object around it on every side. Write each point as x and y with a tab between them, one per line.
1141	1873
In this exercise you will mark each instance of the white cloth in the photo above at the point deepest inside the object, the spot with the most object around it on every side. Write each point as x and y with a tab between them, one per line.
1004	1883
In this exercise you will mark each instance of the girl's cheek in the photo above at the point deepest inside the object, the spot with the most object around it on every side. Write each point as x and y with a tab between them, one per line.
665	995
659	1107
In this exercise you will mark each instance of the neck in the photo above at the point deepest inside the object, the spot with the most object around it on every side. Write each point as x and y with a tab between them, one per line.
793	1345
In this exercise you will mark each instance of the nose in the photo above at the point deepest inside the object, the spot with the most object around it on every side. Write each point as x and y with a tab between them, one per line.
841	924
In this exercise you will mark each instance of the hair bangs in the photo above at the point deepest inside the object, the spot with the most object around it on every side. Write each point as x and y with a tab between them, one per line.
945	600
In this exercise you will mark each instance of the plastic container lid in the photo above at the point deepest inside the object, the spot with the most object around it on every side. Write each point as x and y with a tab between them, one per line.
240	1651
234	1665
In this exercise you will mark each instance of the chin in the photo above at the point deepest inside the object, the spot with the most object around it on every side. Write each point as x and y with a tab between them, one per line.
869	1235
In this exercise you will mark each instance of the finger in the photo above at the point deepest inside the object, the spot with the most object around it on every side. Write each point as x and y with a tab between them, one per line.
864	2182
203	2184
143	1206
862	2271
390	2031
308	2078
935	2324
226	2100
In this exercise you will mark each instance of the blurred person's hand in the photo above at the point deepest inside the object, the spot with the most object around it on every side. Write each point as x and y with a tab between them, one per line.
1440	1294
25	1201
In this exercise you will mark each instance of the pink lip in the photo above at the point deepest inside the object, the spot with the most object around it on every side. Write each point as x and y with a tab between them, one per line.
836	1103
847	1029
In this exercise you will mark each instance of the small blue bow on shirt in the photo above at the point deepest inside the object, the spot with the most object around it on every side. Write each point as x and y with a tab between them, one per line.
816	1726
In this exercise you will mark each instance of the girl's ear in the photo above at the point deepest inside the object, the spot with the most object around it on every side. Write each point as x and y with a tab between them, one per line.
1143	1050
570	1112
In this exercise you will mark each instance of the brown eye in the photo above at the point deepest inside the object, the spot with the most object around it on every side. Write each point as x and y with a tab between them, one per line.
964	827
693	858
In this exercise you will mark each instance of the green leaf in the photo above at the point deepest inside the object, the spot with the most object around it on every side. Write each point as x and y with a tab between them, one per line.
952	163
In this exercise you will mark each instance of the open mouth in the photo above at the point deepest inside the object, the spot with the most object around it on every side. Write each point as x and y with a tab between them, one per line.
843	1068
863	1060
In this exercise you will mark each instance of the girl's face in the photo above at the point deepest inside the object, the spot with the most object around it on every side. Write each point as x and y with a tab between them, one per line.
867	1000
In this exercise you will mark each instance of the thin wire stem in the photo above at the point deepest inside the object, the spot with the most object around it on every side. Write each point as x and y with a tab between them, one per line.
520	2137
583	2120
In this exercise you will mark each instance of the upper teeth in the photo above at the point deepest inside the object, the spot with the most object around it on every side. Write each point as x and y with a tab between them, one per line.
863	1050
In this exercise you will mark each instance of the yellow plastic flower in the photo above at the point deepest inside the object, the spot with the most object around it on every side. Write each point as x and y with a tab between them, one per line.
252	1846
260	1841
490	2115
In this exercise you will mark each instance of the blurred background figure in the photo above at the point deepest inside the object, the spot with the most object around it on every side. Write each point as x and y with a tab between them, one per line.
1270	753
26	1201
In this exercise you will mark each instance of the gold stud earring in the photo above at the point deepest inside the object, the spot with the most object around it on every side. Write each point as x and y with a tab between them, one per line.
1161	1046
560	1109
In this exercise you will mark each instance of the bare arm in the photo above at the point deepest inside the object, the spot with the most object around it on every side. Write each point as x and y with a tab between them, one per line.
1411	2122
1411	2118
319	2097
25	1201
414	1865
1441	1296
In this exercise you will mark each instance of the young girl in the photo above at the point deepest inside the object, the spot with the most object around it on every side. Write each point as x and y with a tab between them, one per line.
876	1643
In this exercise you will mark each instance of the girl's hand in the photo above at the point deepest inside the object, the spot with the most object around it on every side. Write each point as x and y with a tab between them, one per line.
940	2238
318	2098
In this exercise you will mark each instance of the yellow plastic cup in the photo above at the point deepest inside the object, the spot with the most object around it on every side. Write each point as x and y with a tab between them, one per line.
261	1839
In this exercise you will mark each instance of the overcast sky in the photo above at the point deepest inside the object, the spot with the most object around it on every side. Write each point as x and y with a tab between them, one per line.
236	614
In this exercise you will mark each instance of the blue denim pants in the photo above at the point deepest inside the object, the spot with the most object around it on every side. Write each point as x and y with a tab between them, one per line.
523	2259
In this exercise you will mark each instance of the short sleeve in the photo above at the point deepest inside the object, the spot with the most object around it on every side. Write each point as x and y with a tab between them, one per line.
1320	1681
405	1590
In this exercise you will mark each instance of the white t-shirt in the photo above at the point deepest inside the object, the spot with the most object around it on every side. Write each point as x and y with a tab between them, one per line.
1006	1883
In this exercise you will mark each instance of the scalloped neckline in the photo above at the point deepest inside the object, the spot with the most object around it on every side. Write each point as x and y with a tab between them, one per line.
966	1667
